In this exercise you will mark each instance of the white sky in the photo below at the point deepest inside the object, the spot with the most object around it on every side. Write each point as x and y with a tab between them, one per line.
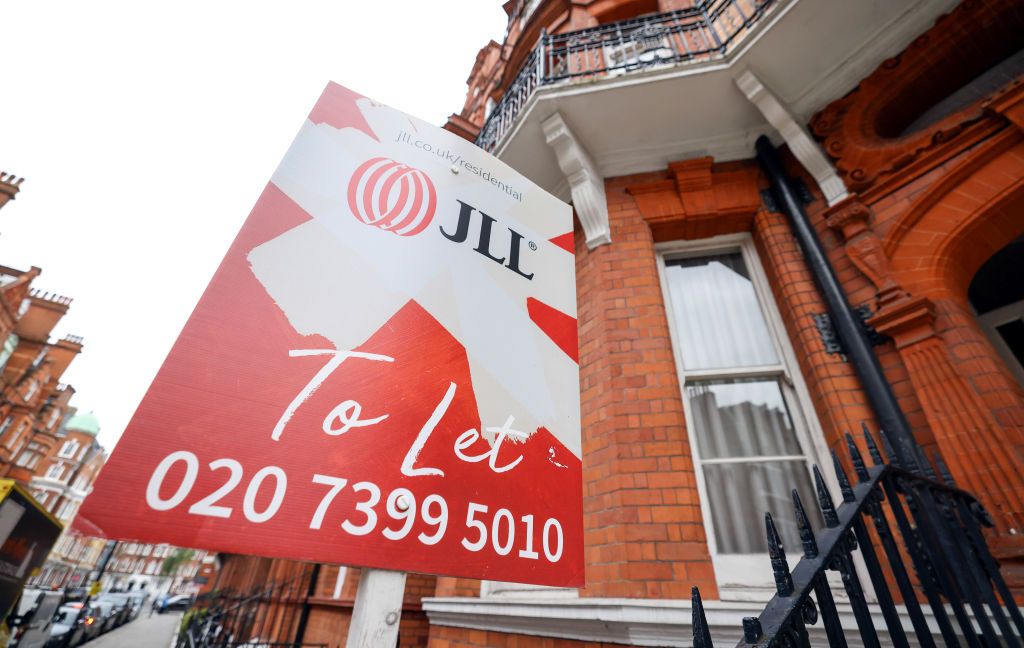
146	132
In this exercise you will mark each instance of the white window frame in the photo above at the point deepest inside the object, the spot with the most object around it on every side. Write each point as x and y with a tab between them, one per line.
33	388
56	471
745	576
995	318
68	450
13	439
28	461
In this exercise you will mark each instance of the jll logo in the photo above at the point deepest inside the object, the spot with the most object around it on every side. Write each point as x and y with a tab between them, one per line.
400	199
484	240
392	196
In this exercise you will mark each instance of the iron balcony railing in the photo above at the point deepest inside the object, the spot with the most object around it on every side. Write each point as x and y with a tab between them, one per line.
700	33
938	528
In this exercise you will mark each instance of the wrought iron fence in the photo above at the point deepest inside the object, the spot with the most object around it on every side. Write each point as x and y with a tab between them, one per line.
270	616
938	530
703	32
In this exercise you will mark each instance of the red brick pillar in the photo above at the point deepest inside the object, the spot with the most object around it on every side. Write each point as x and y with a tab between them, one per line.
972	442
643	527
977	449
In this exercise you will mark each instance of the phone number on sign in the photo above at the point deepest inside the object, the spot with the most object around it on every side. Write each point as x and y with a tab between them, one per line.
400	506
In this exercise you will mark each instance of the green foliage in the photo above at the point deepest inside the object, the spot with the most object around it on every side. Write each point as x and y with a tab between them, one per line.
173	562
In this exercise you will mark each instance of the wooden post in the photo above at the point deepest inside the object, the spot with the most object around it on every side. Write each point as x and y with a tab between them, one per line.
377	610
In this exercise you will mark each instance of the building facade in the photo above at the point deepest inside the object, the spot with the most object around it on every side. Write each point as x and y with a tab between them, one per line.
711	380
159	568
61	480
44	445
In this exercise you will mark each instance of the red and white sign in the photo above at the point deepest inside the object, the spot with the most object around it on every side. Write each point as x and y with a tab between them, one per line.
382	372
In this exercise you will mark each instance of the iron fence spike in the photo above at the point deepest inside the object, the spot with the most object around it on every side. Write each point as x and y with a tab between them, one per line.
859	467
929	469
947	476
825	504
777	554
889	452
844	481
876	456
803	525
701	632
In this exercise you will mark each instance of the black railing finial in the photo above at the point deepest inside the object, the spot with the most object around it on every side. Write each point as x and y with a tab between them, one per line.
828	509
859	467
783	579
803	525
752	631
929	470
876	456
889	452
701	632
844	481
943	469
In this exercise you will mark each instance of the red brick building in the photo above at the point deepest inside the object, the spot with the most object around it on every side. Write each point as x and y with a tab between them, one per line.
710	381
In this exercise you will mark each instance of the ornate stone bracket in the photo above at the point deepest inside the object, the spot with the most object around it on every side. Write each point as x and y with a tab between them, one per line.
585	182
797	138
851	219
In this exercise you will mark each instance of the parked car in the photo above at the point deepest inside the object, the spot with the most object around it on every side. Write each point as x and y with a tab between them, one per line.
128	605
121	608
32	620
75	594
179	602
107	617
83	624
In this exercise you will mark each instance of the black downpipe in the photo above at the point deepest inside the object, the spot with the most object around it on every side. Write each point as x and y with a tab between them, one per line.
848	328
300	631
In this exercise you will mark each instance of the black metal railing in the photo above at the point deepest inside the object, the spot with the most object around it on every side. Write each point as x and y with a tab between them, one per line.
938	530
269	616
700	33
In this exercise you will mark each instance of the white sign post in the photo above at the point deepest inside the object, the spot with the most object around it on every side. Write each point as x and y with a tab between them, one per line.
378	609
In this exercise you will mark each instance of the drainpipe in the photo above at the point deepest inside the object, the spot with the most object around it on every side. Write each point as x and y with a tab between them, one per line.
847	325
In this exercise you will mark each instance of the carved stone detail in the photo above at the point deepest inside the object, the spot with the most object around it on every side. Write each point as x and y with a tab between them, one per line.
699	199
585	182
855	129
851	219
799	140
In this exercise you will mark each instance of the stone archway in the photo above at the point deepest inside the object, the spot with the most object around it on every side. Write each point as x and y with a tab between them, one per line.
973	405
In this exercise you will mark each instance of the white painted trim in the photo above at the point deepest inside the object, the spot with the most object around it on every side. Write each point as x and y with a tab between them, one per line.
585	183
733	572
889	40
1004	315
638	622
799	140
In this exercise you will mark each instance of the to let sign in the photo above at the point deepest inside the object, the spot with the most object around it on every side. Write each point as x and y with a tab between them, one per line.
382	372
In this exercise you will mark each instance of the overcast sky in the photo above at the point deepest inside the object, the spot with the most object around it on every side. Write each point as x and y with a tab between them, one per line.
146	131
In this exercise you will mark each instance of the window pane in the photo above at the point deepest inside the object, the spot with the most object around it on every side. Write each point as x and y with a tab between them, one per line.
741	418
717	316
740	494
1013	334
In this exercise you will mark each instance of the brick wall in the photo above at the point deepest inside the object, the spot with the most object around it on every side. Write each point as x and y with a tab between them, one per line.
643	531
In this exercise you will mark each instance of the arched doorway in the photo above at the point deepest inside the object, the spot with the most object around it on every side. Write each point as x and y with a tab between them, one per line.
996	294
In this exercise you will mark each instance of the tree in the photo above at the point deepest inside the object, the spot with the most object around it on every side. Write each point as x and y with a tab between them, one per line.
173	562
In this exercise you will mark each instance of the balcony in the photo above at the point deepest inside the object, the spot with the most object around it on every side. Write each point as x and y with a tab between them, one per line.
641	93
701	33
